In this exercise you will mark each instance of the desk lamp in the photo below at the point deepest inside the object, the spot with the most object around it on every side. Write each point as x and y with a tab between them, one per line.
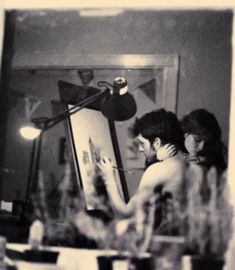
117	104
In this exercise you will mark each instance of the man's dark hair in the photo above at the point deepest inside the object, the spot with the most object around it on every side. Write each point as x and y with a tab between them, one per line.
203	123
160	123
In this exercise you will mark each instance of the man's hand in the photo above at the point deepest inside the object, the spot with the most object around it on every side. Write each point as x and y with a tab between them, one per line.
105	166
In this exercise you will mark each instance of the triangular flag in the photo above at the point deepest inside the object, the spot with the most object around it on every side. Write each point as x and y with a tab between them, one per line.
149	88
31	105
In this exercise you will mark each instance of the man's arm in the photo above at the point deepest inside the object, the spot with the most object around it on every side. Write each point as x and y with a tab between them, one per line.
145	193
107	173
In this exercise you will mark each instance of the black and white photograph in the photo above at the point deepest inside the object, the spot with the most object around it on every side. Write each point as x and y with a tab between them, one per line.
117	136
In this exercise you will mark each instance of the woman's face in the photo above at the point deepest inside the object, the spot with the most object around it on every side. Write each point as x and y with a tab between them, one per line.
194	144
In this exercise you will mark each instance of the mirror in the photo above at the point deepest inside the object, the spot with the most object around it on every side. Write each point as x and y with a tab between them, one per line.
176	59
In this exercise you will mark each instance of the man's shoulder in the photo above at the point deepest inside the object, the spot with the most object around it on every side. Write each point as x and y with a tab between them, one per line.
166	169
152	175
155	167
161	172
168	163
157	170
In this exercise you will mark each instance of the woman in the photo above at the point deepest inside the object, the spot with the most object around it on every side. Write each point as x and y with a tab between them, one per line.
202	140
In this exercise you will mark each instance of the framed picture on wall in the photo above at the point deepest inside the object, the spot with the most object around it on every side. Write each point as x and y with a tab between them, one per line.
93	136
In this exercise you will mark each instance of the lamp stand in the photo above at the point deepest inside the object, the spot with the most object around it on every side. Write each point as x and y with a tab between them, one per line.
33	172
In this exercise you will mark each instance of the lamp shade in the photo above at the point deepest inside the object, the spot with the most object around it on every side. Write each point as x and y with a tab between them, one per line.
119	105
116	103
119	108
29	133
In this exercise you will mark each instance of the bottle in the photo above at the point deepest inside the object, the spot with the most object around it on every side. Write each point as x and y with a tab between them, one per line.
36	234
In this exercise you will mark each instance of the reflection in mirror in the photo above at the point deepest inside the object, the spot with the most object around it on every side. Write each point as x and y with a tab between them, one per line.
179	60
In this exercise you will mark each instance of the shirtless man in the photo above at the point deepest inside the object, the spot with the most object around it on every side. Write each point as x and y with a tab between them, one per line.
154	131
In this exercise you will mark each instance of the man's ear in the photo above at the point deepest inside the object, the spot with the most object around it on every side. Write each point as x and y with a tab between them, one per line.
157	143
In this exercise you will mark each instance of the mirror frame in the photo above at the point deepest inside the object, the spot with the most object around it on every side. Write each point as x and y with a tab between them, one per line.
169	64
179	4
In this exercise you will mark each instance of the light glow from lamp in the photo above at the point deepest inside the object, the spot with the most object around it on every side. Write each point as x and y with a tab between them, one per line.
30	133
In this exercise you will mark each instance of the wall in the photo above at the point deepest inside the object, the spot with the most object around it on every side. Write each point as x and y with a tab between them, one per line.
202	39
16	166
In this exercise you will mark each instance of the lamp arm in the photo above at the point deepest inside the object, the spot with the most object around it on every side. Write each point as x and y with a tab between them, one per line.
104	83
46	123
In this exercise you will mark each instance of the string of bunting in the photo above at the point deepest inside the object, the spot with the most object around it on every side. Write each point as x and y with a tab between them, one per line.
31	103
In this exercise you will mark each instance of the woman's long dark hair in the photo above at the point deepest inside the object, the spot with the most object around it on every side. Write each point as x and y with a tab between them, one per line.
203	123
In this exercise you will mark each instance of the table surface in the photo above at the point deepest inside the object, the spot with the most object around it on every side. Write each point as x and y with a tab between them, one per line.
69	258
82	259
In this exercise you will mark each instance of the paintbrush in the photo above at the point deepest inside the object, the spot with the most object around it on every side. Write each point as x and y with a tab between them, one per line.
123	170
